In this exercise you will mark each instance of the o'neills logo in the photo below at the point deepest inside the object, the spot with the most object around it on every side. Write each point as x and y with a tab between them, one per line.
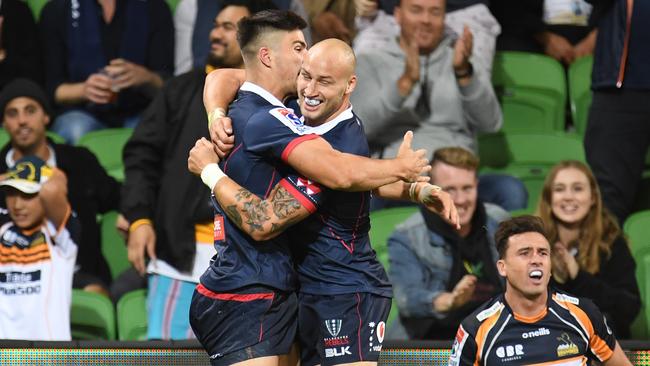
536	333
567	347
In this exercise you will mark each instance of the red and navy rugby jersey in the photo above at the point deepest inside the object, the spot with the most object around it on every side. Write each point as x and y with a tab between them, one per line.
261	142
571	331
331	247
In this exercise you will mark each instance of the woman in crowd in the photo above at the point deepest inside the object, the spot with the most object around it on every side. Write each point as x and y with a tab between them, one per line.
591	258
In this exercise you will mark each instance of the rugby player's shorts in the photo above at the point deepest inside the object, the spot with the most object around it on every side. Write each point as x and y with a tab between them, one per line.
336	329
243	324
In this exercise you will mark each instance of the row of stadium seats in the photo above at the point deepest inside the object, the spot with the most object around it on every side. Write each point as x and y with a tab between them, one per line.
636	228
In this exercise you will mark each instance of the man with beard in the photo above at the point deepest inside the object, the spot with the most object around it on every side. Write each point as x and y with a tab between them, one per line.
170	220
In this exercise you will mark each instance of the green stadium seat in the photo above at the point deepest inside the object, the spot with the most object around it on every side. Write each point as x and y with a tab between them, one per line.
107	145
532	91
382	224
132	316
55	137
528	156
36	6
580	92
637	229
113	245
92	316
641	326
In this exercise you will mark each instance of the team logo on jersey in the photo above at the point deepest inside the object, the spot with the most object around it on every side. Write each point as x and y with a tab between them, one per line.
567	347
286	116
456	349
333	326
308	187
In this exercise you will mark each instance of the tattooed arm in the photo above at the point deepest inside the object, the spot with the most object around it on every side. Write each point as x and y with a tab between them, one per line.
262	219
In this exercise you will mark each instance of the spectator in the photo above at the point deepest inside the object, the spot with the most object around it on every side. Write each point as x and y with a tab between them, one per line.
441	275
20	55
618	132
331	19
37	255
167	206
562	29
420	82
591	257
377	27
105	60
193	20
91	191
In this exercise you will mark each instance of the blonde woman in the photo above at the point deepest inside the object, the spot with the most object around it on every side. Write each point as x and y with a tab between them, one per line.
591	258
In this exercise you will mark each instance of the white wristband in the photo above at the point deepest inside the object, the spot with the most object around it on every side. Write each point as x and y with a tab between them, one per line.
425	193
215	114
211	174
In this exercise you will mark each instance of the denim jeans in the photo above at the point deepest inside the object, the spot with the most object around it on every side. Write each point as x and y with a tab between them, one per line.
75	123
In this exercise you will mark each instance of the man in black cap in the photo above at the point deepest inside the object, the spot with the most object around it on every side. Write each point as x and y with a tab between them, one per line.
25	115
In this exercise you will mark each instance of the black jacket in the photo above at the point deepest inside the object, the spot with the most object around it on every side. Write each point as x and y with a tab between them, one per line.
157	184
91	191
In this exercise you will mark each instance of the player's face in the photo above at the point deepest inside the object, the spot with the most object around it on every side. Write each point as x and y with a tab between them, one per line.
25	121
323	89
526	264
224	49
571	196
288	56
422	21
461	184
26	210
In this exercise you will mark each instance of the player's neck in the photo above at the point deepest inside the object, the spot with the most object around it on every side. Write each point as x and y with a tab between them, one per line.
268	82
525	306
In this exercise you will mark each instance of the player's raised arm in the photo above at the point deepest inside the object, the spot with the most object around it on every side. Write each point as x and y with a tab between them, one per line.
219	91
261	219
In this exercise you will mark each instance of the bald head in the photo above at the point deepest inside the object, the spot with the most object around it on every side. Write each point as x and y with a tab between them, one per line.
326	81
336	54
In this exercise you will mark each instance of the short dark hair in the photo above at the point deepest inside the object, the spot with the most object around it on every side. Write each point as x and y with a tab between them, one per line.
252	27
517	225
253	6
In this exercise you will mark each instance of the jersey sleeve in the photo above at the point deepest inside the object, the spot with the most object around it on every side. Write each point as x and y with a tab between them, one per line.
601	337
307	192
464	350
276	132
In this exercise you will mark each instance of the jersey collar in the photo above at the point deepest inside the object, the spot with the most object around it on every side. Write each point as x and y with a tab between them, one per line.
327	126
254	88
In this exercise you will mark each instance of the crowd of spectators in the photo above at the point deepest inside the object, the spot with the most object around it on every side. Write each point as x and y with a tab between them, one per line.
423	65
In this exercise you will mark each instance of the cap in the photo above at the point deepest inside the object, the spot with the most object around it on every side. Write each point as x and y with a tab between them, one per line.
28	175
23	88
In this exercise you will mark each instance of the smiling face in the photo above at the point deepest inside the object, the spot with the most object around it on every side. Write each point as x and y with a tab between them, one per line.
25	122
526	265
287	55
422	21
26	210
326	81
461	184
571	196
224	49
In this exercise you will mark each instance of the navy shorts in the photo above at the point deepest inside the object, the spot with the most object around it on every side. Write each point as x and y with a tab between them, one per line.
244	324
336	329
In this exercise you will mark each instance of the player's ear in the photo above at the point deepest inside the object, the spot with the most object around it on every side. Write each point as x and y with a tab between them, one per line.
264	55
501	267
352	83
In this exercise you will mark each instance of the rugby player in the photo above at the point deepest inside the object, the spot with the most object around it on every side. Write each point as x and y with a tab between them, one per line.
531	323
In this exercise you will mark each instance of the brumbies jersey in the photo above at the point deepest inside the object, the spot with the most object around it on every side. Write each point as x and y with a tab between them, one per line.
331	247
571	331
262	141
36	280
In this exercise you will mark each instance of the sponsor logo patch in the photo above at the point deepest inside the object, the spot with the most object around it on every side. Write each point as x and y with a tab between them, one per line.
510	352
536	333
496	307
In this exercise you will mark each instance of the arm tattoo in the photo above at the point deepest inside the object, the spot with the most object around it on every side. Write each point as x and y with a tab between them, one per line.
256	215
284	204
231	211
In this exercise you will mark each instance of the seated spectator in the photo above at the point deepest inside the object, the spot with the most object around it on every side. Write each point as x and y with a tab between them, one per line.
20	55
377	27
38	248
105	60
441	275
591	258
170	215
562	29
331	19
91	191
193	21
424	82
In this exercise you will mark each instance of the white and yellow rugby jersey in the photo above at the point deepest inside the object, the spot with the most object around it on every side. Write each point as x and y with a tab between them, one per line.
570	331
36	280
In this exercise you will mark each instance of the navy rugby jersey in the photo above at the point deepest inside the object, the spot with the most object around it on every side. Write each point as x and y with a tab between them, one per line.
570	331
261	142
331	247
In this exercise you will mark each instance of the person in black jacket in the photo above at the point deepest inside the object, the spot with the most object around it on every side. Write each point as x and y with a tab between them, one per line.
167	207
91	191
20	56
590	257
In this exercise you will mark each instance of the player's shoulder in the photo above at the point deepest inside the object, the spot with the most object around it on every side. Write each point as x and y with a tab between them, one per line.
572	303
490	311
272	117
